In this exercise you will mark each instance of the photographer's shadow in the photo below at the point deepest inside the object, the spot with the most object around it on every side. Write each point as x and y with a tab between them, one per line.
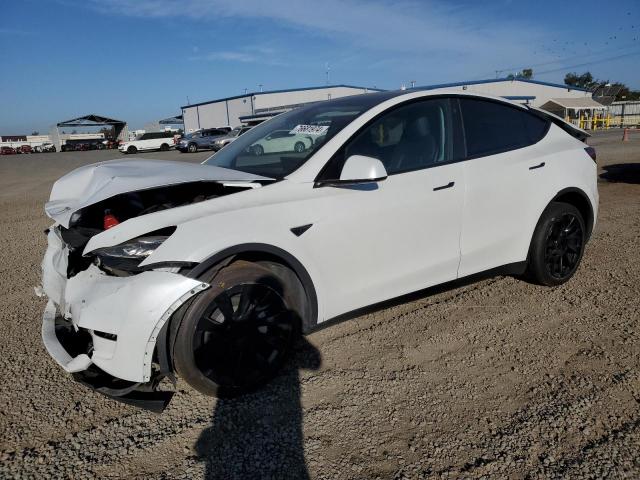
259	435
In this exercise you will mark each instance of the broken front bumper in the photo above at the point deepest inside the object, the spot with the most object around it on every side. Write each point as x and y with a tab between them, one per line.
120	317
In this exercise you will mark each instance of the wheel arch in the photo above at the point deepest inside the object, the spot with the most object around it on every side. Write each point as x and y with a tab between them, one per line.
266	252
579	199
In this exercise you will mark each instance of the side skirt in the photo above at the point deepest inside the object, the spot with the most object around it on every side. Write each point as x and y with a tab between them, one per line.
511	269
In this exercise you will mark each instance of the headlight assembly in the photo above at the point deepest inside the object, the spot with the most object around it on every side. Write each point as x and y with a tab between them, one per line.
139	248
126	257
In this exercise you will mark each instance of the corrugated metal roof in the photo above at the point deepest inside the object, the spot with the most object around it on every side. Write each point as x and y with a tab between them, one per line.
495	80
585	103
251	94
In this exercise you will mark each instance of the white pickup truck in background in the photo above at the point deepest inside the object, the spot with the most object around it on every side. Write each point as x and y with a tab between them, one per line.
162	141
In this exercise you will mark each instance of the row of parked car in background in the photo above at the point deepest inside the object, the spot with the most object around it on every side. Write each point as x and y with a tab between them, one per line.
44	148
84	145
205	139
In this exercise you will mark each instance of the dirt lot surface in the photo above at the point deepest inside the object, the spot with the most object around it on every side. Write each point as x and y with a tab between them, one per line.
497	378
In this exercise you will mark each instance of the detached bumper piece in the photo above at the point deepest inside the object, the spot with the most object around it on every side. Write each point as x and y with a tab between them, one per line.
141	395
71	348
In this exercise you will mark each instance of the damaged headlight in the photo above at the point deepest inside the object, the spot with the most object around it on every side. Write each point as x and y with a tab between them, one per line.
127	256
137	249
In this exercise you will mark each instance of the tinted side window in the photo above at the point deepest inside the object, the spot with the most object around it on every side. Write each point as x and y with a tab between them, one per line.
410	137
491	127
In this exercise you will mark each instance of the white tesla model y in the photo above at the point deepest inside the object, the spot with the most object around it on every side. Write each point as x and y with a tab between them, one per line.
158	268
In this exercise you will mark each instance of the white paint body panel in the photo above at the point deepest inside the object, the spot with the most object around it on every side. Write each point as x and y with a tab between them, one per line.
133	308
504	198
367	243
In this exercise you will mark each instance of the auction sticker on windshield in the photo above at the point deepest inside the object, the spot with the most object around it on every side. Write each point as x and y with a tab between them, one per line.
310	129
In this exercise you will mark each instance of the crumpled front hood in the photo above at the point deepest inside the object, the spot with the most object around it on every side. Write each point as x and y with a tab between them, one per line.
93	183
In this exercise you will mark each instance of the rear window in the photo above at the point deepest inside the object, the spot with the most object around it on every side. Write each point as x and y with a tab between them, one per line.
492	127
155	135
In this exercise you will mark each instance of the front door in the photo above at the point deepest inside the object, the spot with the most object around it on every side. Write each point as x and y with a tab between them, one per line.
376	241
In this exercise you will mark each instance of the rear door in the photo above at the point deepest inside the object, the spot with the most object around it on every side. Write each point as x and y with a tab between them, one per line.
505	175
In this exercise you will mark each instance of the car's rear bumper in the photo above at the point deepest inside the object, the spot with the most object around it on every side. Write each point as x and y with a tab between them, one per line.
108	322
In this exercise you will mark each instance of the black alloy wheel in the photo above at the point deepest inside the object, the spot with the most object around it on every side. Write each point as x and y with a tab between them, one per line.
557	245
299	147
193	148
563	246
235	336
242	336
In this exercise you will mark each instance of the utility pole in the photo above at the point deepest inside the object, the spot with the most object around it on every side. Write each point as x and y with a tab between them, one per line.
188	102
327	69
260	86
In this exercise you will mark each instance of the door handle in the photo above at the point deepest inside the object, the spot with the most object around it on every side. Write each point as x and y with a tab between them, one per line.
537	166
442	187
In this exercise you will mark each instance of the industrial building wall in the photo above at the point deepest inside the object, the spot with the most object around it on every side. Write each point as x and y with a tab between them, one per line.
238	107
213	115
216	114
227	112
190	118
543	93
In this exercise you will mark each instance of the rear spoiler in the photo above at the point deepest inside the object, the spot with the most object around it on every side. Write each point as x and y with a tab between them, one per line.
566	126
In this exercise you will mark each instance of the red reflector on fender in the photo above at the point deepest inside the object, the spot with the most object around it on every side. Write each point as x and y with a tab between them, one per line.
110	220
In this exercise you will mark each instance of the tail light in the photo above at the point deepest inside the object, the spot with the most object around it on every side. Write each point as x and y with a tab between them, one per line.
110	220
591	152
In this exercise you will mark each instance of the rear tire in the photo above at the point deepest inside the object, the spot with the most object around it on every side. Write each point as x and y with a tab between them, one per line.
132	150
164	147
557	245
235	336
299	147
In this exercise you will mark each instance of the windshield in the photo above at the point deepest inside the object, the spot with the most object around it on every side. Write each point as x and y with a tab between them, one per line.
279	146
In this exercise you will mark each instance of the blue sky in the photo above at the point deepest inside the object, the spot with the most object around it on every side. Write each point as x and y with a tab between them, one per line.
139	60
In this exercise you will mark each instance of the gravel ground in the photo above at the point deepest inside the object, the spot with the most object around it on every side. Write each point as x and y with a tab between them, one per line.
496	378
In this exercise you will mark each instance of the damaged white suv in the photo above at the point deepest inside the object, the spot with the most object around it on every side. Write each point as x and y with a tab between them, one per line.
157	268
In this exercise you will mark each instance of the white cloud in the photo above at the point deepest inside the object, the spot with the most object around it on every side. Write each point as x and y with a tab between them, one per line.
247	54
419	30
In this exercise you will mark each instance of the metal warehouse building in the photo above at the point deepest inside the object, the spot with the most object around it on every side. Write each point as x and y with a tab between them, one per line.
254	107
530	92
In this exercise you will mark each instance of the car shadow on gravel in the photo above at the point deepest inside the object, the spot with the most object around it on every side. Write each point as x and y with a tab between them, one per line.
259	435
621	173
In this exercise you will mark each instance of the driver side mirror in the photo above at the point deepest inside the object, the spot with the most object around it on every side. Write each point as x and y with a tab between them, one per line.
358	169
362	169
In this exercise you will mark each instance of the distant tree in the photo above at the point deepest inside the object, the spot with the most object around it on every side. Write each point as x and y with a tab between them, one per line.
35	132
585	80
626	93
526	73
